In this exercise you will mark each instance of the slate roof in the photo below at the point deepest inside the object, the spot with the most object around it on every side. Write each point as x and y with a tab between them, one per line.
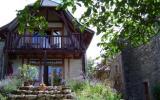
47	3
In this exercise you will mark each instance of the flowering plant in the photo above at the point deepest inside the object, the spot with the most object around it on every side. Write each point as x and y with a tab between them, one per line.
42	87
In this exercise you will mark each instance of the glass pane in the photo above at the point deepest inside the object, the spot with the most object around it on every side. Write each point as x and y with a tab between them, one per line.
34	72
56	40
54	75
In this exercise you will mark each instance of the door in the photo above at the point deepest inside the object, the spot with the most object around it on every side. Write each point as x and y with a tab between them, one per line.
146	90
55	75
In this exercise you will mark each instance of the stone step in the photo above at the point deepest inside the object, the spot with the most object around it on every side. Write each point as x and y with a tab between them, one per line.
41	97
50	93
49	88
67	91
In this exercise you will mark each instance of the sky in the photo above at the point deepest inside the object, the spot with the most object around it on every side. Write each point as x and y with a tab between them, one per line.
8	10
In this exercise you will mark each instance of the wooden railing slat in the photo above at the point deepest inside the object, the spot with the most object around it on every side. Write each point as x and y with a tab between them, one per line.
45	42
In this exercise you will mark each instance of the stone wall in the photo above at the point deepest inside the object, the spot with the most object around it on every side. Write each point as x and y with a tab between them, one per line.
116	74
141	65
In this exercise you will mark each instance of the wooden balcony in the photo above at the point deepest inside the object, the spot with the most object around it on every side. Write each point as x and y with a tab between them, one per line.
44	43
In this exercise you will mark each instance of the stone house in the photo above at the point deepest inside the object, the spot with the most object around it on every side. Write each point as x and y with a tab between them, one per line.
61	51
139	70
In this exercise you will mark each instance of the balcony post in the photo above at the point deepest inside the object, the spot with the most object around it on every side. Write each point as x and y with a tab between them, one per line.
45	71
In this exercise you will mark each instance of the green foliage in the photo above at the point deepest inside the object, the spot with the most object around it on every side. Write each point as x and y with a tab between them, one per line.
28	72
156	91
3	97
90	67
56	80
76	86
29	20
86	91
11	86
122	22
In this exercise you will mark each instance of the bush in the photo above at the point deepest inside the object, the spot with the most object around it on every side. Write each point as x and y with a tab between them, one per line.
76	86
3	97
156	91
86	91
28	73
11	86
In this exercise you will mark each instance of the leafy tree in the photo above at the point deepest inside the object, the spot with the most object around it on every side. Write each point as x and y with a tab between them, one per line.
30	21
122	22
90	67
28	73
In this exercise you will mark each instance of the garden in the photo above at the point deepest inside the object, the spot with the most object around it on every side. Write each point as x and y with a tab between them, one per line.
21	87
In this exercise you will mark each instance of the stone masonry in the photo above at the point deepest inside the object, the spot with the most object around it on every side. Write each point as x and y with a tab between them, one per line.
50	93
141	65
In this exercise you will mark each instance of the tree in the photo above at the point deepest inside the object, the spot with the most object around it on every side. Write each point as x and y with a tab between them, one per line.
122	22
29	20
90	67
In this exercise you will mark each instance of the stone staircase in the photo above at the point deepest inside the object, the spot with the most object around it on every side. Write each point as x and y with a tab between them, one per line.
50	93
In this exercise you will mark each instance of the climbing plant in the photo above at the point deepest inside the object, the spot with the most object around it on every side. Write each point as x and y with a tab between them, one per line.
29	20
121	22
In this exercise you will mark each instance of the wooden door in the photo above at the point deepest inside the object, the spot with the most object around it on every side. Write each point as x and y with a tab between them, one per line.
146	90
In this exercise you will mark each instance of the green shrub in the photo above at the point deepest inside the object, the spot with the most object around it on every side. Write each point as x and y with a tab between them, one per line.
11	86
56	80
87	91
3	97
156	91
28	73
76	85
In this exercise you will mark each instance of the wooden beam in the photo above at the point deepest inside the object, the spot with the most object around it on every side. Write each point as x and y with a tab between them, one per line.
63	69
47	14
69	68
62	18
66	21
83	63
45	76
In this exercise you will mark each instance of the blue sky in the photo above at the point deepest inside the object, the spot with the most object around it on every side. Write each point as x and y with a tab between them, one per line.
8	13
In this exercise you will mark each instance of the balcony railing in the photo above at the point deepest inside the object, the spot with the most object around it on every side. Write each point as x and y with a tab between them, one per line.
44	42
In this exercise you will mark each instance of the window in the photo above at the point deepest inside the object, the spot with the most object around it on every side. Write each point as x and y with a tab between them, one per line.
56	38
55	72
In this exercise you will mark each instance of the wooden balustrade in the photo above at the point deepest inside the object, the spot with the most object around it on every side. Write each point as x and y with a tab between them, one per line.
44	42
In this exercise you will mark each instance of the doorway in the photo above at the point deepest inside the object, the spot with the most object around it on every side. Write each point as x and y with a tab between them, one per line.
146	90
55	75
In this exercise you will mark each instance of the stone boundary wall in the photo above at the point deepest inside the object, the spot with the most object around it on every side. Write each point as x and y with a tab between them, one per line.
141	65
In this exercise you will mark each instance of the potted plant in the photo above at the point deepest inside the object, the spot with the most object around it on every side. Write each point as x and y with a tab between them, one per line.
56	80
42	87
28	74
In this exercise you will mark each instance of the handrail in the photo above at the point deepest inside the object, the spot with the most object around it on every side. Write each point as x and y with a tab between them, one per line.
44	42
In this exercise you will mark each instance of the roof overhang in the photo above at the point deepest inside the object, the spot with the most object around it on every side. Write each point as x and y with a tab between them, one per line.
88	33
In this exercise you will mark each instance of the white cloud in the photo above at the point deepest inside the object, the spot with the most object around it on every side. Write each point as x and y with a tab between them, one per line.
8	9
